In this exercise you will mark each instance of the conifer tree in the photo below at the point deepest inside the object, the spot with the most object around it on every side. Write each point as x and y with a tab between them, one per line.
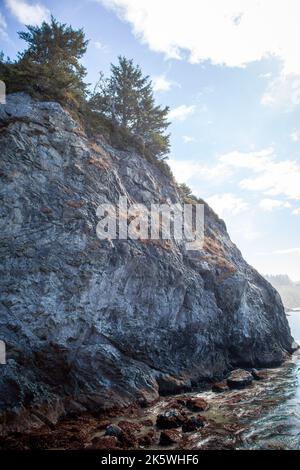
50	66
126	98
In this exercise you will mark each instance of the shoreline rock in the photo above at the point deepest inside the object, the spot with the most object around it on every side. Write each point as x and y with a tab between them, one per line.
170	419
259	374
170	437
216	428
239	378
91	324
220	387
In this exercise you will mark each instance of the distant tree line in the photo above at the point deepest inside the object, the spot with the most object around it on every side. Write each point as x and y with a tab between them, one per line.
121	105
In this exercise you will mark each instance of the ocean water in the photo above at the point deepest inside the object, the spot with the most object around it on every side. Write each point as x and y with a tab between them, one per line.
263	416
279	428
294	321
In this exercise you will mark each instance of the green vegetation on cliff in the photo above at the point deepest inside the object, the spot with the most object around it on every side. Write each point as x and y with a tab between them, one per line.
122	106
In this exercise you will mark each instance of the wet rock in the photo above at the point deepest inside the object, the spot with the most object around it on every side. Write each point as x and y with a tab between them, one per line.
168	385
217	443
259	374
220	387
114	430
125	432
104	442
239	378
103	425
170	437
129	426
193	423
149	439
176	404
129	440
197	404
170	419
181	401
141	306
75	408
234	428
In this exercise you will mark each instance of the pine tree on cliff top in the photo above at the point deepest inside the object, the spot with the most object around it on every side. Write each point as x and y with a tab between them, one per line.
126	98
50	66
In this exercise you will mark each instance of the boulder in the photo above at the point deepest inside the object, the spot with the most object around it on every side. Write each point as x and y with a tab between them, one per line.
149	439
259	374
129	426
113	430
170	437
220	387
197	404
170	419
104	443
193	423
168	385
125	433
103	425
239	378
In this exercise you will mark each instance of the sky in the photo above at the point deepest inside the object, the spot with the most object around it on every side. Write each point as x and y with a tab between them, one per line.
230	72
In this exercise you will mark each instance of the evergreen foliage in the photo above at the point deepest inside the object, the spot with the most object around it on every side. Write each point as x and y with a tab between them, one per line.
126	98
122	107
50	66
188	195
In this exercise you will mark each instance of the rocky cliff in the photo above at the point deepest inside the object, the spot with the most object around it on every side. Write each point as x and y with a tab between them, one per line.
90	324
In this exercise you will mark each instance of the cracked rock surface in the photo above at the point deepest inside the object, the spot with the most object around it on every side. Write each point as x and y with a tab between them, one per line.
90	324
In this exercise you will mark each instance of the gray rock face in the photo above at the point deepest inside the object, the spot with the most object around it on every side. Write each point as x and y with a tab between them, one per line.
90	324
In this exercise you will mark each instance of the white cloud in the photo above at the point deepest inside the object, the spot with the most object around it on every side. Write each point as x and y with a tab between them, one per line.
181	113
255	161
279	178
295	136
226	166
184	170
275	182
206	90
3	26
288	251
250	234
269	205
283	93
266	75
98	45
232	33
28	13
101	47
227	204
160	83
273	177
2	22
246	230
187	139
